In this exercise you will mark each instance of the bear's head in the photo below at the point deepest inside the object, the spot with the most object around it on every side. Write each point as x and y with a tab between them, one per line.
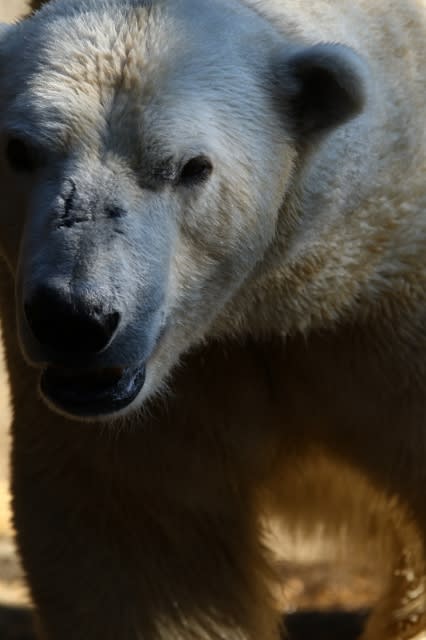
146	149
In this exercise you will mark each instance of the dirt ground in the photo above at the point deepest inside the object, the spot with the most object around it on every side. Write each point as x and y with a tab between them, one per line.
324	605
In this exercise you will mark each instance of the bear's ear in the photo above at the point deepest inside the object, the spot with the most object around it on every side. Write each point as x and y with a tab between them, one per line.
320	87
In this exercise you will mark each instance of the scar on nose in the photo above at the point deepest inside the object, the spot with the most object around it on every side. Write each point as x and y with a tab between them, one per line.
69	216
69	197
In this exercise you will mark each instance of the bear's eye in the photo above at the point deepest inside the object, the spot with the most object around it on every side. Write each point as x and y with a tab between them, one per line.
196	170
22	157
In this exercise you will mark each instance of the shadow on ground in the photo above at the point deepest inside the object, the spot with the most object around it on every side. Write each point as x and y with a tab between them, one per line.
324	625
15	624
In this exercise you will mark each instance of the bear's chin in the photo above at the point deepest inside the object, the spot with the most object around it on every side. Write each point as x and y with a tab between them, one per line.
91	394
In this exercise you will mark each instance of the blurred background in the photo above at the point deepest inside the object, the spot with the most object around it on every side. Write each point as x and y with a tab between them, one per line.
12	592
14	624
10	9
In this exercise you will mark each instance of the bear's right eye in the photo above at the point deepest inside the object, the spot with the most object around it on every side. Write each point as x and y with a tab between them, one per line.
22	157
196	170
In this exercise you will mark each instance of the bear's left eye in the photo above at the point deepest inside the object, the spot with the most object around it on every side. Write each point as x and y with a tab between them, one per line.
22	157
196	170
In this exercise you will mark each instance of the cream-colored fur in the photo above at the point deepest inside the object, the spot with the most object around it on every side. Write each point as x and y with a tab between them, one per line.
300	389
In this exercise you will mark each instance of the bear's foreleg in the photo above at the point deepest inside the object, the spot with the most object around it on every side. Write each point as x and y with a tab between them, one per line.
401	612
110	556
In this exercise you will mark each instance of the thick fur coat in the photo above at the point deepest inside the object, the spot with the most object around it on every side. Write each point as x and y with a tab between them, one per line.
211	190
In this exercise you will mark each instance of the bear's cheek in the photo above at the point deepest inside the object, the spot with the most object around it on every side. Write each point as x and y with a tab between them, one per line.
228	225
203	276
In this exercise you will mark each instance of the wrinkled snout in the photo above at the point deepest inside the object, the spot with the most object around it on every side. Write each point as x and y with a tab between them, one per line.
91	338
72	332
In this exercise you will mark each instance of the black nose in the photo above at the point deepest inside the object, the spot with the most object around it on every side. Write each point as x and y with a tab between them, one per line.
69	323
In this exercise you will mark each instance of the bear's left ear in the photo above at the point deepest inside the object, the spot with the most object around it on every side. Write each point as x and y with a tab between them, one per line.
319	87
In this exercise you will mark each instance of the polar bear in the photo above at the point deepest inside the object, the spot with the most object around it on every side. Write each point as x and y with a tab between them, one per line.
214	236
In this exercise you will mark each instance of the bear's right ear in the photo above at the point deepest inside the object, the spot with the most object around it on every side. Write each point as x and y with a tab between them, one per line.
319	88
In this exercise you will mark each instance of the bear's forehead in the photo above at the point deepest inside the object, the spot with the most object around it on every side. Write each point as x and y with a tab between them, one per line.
106	44
122	68
110	51
99	68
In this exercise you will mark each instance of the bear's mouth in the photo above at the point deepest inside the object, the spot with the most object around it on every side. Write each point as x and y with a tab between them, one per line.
89	393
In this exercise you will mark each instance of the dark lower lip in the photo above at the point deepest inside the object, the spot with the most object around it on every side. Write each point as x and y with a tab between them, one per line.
91	393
